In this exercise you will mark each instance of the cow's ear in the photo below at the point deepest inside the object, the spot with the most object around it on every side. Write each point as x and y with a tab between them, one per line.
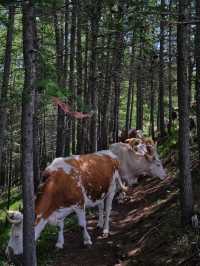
128	141
149	141
133	141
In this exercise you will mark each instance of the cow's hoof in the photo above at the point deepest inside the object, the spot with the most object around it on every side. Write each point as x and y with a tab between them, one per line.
59	245
105	233
99	226
87	243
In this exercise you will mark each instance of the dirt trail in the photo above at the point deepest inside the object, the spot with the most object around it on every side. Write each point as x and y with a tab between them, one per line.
132	223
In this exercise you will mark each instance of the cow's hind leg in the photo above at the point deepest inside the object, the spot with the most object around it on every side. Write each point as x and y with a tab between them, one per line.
101	214
82	222
109	200
60	241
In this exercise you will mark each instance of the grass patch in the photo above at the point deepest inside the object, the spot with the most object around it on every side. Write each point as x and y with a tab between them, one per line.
15	203
46	251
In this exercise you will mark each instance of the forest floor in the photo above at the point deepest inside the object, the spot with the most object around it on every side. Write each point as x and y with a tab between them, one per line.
145	230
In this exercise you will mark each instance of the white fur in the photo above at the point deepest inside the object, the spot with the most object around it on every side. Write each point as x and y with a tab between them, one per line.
101	214
82	222
157	169
16	239
59	163
106	152
39	227
109	200
133	165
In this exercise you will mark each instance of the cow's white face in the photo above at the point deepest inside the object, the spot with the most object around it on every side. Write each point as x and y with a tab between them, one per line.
157	169
15	244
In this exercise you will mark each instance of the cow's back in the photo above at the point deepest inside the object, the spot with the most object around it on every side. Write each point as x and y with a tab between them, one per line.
96	172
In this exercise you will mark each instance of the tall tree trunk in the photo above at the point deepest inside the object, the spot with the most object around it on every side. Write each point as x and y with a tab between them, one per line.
183	96
117	68
10	159
130	84
67	138
132	105
36	135
152	100
86	100
139	107
72	74
80	143
197	57
190	55
71	123
170	70
36	143
106	97
27	133
161	74
66	37
61	84
92	84
5	82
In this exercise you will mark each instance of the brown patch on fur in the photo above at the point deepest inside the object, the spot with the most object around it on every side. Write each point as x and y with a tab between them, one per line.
133	141
59	190
148	141
96	173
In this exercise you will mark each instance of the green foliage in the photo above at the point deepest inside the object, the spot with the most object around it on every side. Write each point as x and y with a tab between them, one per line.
52	89
170	142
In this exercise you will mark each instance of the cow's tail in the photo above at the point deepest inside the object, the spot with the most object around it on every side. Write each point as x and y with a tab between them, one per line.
118	178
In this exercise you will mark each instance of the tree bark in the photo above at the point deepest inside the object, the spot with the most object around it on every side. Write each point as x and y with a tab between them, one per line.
70	127
130	84
106	97
94	17
80	143
117	68
29	254
183	96
161	74
139	96
170	71
61	85
86	99
5	82
197	57
152	100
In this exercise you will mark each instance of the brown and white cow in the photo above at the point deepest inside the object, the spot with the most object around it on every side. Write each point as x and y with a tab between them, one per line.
71	185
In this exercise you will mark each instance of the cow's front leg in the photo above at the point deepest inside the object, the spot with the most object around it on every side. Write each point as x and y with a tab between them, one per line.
101	214
82	222
109	200
60	241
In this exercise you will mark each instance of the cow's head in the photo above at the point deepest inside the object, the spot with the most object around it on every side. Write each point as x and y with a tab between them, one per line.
155	165
138	156
15	244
